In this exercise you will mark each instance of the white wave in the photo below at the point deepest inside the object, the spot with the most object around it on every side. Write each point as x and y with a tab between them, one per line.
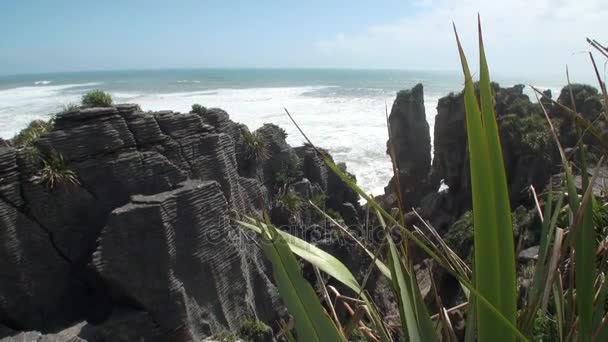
19	106
352	128
43	82
188	81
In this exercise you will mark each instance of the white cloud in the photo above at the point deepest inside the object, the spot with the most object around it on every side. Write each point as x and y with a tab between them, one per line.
520	36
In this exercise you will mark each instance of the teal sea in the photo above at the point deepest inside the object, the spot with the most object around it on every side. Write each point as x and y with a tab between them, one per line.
341	110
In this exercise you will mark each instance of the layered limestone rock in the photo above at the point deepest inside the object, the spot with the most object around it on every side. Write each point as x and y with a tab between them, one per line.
147	227
529	152
408	128
188	250
142	243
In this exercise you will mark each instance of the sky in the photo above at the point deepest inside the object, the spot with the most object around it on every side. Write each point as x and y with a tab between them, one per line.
536	37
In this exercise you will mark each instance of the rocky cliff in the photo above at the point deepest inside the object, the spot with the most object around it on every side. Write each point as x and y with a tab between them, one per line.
139	244
529	152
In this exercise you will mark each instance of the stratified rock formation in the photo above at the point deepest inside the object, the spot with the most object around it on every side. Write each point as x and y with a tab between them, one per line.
408	127
143	245
528	149
441	190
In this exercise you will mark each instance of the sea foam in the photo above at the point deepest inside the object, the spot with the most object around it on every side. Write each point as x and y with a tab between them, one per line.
350	123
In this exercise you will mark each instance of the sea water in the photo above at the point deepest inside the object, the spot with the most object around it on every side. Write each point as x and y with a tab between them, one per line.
341	110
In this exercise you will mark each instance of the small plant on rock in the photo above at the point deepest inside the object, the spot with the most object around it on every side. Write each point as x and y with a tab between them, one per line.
198	109
288	172
283	132
33	131
70	107
255	146
54	171
254	331
96	98
291	201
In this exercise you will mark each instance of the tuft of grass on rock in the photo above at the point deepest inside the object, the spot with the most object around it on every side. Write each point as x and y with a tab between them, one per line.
198	109
255	146
291	201
55	172
32	132
96	98
532	133
288	172
283	132
254	331
70	107
225	336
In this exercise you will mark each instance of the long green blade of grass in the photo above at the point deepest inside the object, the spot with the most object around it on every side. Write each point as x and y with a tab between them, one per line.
316	256
311	321
481	300
493	233
584	245
502	210
328	264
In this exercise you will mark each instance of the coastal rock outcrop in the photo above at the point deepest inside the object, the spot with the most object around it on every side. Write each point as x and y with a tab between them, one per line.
529	153
407	128
144	226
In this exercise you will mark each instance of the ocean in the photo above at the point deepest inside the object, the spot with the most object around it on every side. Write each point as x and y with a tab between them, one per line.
341	110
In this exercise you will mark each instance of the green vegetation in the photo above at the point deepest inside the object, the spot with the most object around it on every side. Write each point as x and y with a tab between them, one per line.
96	98
225	336
55	172
26	138
255	146
253	330
32	132
460	236
565	299
290	200
70	107
198	109
288	172
532	133
283	132
319	199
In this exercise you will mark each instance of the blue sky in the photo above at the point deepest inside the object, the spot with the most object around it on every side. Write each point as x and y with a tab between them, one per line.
69	35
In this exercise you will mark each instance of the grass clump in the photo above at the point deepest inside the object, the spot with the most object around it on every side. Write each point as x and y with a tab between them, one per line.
96	98
225	336
55	172
288	172
198	109
32	132
291	201
255	146
283	132
70	107
255	331
532	134
460	236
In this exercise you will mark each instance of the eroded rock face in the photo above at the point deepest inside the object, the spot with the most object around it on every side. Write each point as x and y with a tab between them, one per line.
143	245
187	249
529	153
137	231
410	144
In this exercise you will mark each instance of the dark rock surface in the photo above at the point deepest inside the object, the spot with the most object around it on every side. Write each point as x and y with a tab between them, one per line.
529	153
408	127
143	245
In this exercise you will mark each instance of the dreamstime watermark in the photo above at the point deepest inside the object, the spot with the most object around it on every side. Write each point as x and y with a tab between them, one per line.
227	231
